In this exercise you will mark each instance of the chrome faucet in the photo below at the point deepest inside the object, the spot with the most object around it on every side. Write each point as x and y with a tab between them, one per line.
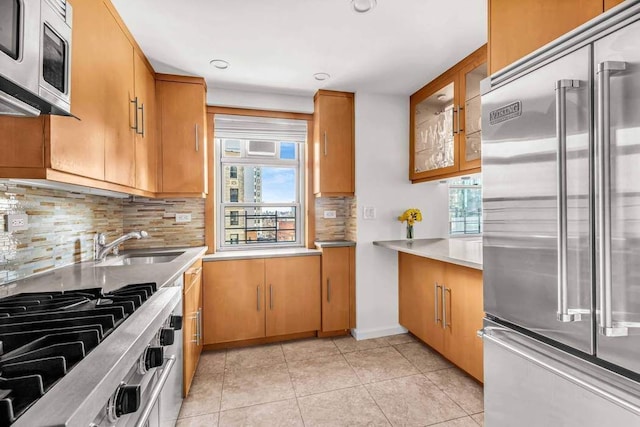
101	248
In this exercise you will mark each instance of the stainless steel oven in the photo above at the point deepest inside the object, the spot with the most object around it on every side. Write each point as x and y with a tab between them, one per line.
35	57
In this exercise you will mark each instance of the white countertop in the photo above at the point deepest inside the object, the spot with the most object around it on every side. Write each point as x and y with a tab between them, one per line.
463	251
261	253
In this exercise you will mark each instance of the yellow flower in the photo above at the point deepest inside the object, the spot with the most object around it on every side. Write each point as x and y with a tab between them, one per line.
411	216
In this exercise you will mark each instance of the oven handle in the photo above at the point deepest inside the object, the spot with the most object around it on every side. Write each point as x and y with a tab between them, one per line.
146	412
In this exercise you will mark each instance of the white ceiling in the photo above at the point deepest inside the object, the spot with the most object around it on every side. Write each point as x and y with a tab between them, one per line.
277	45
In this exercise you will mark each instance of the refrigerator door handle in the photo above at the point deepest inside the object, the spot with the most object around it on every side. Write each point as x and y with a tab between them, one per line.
607	326
564	313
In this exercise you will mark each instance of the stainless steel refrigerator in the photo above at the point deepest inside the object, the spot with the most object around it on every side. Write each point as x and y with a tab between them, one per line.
561	201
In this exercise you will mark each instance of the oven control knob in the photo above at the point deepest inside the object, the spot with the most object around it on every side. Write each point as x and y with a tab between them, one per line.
153	357
127	399
175	322
166	336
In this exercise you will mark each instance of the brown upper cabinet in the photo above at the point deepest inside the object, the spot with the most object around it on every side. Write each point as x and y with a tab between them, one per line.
145	122
517	28
100	148
445	129
333	144
183	136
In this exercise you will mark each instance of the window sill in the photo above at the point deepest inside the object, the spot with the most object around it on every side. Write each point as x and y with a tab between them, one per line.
261	253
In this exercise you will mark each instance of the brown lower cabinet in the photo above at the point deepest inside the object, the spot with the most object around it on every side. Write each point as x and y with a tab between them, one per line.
257	298
338	288
441	303
191	323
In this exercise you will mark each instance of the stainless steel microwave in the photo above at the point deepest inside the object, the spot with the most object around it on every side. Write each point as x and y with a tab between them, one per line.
35	57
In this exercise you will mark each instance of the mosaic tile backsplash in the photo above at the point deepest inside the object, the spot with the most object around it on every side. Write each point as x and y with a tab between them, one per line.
158	218
62	226
343	225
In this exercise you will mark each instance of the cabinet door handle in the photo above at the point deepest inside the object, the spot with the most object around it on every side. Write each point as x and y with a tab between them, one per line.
135	110
460	108
271	297
326	150
200	326
197	139
258	297
435	302
328	290
444	307
141	108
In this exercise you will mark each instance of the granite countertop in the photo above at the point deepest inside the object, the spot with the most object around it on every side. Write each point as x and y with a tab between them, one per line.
461	251
90	274
334	243
261	253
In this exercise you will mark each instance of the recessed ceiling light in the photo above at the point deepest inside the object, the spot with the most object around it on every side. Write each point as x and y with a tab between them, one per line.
442	97
220	64
363	6
321	76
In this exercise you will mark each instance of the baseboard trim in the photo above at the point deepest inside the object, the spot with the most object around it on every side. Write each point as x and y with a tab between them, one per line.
365	334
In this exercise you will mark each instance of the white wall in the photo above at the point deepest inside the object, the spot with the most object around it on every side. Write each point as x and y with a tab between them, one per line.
382	159
259	100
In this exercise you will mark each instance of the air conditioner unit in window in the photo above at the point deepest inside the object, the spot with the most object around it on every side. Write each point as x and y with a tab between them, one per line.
261	148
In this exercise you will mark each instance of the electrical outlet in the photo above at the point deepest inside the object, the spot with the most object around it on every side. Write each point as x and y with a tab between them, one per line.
369	212
16	222
183	217
329	214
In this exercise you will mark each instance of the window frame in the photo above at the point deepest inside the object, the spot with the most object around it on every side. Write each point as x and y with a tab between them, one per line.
299	164
477	187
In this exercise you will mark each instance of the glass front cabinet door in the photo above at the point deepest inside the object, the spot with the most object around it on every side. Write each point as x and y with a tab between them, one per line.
445	122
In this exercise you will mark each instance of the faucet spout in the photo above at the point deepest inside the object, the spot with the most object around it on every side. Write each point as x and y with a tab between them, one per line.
102	249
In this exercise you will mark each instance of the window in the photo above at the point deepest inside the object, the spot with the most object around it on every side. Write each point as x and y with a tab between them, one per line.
233	194
233	218
465	205
261	179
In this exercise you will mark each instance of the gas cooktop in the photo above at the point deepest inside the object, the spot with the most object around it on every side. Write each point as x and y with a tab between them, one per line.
44	335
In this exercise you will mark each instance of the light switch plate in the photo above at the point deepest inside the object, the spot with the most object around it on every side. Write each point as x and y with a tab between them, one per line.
16	222
183	217
329	214
369	212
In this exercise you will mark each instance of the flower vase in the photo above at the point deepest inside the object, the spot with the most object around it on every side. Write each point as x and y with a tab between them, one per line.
409	232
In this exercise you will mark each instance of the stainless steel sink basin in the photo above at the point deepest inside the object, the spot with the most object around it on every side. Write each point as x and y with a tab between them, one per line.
141	258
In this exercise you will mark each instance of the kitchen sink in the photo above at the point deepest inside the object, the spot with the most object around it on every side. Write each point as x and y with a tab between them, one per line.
140	258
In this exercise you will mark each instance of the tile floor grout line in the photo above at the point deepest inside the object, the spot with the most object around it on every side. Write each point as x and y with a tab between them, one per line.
224	375
378	405
449	396
295	394
452	419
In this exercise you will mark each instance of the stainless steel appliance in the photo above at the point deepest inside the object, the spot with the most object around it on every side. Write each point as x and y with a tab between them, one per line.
35	57
561	202
88	357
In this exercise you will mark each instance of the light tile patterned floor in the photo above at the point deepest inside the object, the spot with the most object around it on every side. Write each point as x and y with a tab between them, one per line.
328	382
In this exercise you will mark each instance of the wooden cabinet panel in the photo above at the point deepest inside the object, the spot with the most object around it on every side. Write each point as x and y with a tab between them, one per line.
293	300
333	143
608	4
420	296
336	276
233	300
183	136
22	143
517	28
77	146
117	75
192	326
146	143
464	318
433	294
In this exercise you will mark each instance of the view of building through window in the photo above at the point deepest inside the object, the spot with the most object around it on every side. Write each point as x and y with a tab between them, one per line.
465	205
260	194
